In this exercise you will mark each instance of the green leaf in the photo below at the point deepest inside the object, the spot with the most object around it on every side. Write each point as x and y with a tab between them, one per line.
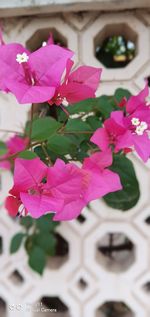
37	259
26	222
40	153
46	242
46	224
77	125
128	197
3	148
94	122
120	93
43	128
60	144
28	155
105	106
87	105
16	242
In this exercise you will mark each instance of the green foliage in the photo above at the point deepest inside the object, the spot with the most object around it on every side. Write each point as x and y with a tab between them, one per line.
3	148
60	144
43	128
39	240
129	196
28	155
120	93
37	259
16	242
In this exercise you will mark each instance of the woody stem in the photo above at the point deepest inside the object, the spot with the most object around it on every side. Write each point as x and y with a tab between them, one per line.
30	131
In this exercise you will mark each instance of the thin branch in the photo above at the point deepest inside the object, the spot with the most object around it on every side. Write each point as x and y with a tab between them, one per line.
30	131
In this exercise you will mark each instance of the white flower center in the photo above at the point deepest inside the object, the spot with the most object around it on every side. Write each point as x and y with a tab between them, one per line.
65	102
135	121
44	43
141	126
22	58
139	130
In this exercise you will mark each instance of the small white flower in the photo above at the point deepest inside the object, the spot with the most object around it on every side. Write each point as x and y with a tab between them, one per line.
65	102
143	125
135	121
44	43
139	130
22	58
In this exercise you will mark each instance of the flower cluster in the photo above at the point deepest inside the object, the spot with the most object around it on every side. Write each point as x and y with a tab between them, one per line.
129	129
64	188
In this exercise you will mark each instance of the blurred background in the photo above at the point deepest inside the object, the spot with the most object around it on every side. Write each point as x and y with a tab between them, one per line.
102	265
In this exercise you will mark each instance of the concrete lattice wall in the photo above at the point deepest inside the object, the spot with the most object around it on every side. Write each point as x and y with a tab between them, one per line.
84	279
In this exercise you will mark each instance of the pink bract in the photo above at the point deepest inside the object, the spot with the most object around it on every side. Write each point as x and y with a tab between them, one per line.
78	85
63	189
127	131
36	79
14	145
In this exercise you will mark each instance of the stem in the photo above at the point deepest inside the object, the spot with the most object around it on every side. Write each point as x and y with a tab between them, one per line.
30	131
78	132
46	154
10	131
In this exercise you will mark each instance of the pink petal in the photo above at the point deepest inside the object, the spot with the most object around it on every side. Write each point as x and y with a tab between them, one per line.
26	93
100	138
142	146
75	92
5	165
9	67
12	205
16	144
135	101
49	63
70	211
101	184
98	161
38	205
87	75
28	174
124	141
68	69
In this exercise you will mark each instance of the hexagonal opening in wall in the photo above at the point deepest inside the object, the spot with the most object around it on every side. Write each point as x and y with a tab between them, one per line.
146	287
16	278
51	306
115	252
42	35
115	46
114	309
61	255
82	284
3	308
148	79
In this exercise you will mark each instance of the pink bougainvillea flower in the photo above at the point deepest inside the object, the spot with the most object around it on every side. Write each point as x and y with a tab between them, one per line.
39	189
14	145
102	180
127	131
64	189
78	85
91	182
28	191
70	184
32	77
